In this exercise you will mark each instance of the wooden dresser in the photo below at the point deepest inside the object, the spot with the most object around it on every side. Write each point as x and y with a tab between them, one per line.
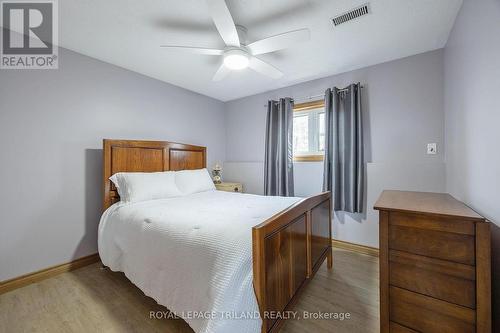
434	264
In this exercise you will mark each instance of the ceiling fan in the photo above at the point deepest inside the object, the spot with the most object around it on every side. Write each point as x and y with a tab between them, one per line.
237	54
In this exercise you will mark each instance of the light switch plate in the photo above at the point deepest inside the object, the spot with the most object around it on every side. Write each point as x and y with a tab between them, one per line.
431	148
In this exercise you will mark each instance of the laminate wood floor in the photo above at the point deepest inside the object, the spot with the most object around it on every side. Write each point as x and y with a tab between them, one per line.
94	300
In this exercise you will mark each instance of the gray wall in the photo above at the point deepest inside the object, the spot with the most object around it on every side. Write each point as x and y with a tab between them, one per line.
403	111
52	123
472	117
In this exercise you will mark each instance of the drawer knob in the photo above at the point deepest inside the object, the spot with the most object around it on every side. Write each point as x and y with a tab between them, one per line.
236	189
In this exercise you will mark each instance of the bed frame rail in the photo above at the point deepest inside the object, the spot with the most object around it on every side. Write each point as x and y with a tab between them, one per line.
288	249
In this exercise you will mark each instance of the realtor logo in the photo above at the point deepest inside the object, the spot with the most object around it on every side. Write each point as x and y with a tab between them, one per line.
29	32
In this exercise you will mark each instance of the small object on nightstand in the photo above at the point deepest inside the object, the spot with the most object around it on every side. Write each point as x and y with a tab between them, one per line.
229	187
216	172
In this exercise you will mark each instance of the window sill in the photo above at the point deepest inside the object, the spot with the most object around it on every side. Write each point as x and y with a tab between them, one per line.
308	158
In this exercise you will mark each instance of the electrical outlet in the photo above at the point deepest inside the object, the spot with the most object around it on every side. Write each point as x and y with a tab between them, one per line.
431	149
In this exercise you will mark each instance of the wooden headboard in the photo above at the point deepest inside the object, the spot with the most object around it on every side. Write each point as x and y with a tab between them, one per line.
147	156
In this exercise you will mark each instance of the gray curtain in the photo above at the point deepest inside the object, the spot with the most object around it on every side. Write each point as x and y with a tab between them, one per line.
278	165
343	163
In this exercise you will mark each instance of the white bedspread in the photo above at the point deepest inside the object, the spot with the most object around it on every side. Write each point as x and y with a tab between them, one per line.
192	254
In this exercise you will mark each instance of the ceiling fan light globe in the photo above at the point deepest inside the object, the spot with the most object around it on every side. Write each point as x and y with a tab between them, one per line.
236	60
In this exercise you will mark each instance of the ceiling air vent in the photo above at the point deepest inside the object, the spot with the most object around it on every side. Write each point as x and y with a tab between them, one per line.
351	15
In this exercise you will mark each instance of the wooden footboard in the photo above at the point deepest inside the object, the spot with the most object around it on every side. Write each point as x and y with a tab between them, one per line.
288	249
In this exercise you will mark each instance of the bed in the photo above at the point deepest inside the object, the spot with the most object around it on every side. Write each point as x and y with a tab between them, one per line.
222	261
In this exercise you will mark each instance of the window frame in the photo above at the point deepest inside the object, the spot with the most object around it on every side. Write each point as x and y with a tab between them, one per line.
304	108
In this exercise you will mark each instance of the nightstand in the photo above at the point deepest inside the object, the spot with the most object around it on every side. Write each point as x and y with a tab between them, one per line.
229	187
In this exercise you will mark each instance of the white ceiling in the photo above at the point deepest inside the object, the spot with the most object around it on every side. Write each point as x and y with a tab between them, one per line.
128	33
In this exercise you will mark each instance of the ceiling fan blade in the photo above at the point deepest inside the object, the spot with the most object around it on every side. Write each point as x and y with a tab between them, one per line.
264	68
224	22
196	50
221	73
279	42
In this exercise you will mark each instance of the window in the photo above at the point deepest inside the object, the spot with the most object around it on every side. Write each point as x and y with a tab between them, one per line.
309	131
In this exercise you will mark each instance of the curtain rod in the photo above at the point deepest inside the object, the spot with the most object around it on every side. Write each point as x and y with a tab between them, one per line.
313	97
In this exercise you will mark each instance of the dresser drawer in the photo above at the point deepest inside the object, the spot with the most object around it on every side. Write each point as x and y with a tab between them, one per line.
445	224
396	328
425	314
445	280
431	243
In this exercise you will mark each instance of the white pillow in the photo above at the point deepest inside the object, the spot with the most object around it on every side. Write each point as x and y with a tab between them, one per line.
193	181
142	186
